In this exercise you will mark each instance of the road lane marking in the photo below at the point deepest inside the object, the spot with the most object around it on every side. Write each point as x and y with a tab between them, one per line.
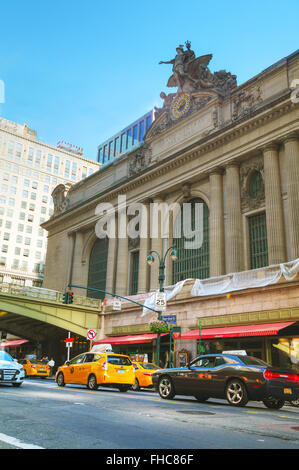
17	443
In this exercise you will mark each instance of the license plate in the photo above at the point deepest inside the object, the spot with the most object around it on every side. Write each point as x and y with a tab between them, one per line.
7	377
41	370
120	371
287	391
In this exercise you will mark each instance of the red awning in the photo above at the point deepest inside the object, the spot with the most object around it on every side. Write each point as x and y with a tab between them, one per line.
264	329
13	343
146	338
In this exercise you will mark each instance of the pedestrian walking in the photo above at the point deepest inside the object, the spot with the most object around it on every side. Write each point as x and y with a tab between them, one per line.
51	364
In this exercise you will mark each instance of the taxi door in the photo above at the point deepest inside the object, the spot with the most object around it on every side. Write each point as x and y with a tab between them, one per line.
85	368
72	371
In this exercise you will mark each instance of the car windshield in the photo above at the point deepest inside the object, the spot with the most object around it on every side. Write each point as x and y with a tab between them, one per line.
4	356
149	366
253	361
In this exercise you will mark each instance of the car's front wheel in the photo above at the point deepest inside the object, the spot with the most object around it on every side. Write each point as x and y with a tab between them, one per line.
60	380
273	403
166	388
92	382
236	393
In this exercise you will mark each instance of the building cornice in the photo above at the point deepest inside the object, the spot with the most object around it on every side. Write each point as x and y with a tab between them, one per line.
263	114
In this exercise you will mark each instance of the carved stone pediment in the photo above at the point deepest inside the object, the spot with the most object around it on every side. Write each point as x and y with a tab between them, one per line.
60	198
245	101
140	160
169	114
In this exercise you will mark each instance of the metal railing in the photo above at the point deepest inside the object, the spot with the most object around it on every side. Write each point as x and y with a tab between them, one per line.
47	294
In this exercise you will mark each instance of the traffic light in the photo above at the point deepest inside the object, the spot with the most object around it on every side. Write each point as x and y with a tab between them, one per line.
65	298
70	299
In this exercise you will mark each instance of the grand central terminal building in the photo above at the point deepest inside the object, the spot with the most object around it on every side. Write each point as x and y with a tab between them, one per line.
233	149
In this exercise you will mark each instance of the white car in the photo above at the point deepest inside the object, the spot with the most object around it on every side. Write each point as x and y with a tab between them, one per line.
11	371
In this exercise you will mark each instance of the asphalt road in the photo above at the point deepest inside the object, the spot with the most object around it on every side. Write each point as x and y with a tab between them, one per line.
41	415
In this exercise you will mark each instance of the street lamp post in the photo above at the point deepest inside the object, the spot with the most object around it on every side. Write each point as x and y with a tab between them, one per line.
150	260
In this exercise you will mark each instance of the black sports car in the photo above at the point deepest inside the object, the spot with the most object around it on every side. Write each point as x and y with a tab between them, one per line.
238	378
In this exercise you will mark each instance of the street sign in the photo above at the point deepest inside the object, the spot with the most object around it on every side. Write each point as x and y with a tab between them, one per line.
69	340
160	300
116	304
69	345
91	334
169	318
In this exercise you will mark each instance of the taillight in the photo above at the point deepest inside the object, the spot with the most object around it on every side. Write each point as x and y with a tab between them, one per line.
33	367
148	373
105	365
269	375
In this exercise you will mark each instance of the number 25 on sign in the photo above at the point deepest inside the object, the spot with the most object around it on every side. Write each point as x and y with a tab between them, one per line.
160	300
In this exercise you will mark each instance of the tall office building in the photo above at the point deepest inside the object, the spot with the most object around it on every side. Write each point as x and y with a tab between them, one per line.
126	140
29	171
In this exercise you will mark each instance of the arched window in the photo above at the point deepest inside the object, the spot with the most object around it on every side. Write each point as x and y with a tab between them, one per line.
98	268
255	184
192	263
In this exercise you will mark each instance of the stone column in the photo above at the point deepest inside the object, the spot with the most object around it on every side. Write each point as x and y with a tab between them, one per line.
235	255
274	206
144	248
77	263
216	220
121	286
291	145
111	265
156	244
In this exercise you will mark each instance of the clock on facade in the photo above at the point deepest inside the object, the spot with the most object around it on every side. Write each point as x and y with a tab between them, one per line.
181	105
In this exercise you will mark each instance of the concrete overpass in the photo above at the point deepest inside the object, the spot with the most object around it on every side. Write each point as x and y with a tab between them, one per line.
39	315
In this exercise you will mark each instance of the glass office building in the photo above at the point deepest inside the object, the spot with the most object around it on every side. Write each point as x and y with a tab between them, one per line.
126	140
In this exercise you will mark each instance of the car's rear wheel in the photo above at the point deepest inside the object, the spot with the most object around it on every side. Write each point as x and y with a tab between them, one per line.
92	382
201	398
295	402
236	393
166	388
136	386
60	380
123	388
273	403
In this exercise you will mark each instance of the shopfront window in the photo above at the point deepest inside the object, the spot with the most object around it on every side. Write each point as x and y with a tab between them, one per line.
285	352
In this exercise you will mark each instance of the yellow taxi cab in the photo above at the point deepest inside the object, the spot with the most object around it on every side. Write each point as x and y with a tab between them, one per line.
33	367
96	368
144	373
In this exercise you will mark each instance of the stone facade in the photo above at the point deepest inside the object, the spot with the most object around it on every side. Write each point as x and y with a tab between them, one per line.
208	153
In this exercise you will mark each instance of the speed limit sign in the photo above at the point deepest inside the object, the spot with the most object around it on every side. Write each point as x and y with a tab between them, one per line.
160	300
91	334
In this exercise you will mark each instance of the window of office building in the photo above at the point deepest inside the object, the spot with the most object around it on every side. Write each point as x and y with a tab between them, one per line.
123	143
116	147
135	134
110	150
141	130
258	240
195	262
98	268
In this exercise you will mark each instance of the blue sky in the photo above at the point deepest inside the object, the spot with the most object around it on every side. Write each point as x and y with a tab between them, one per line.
80	71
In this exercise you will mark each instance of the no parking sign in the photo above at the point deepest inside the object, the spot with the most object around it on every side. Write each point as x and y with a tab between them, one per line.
91	334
